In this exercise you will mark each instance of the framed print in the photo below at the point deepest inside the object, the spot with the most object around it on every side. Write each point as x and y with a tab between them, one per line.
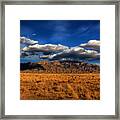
60	59
60	68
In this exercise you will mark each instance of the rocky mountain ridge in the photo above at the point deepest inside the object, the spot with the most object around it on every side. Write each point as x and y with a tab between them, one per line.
60	67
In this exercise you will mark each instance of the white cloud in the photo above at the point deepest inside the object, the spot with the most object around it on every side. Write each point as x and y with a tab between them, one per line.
45	56
34	34
93	44
27	41
45	48
80	50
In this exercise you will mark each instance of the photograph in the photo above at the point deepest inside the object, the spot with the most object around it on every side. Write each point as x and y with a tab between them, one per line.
60	59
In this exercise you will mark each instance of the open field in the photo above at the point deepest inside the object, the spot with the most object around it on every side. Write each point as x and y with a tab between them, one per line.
36	86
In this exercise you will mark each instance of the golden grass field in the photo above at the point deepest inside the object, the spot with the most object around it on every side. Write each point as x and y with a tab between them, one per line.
40	86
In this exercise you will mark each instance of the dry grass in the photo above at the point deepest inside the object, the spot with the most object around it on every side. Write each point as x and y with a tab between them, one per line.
36	86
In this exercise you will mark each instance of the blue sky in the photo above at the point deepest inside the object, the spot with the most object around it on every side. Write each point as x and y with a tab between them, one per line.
69	33
66	32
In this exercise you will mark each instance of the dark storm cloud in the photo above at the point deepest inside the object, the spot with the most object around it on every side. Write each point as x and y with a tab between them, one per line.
73	53
24	54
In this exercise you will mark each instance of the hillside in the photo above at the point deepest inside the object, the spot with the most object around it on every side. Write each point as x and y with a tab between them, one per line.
59	67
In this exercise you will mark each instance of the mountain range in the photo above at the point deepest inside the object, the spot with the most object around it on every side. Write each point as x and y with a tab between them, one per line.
60	67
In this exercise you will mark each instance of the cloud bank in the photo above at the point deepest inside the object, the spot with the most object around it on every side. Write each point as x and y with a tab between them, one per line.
61	52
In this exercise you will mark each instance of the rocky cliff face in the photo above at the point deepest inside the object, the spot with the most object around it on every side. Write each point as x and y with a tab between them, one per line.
60	67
